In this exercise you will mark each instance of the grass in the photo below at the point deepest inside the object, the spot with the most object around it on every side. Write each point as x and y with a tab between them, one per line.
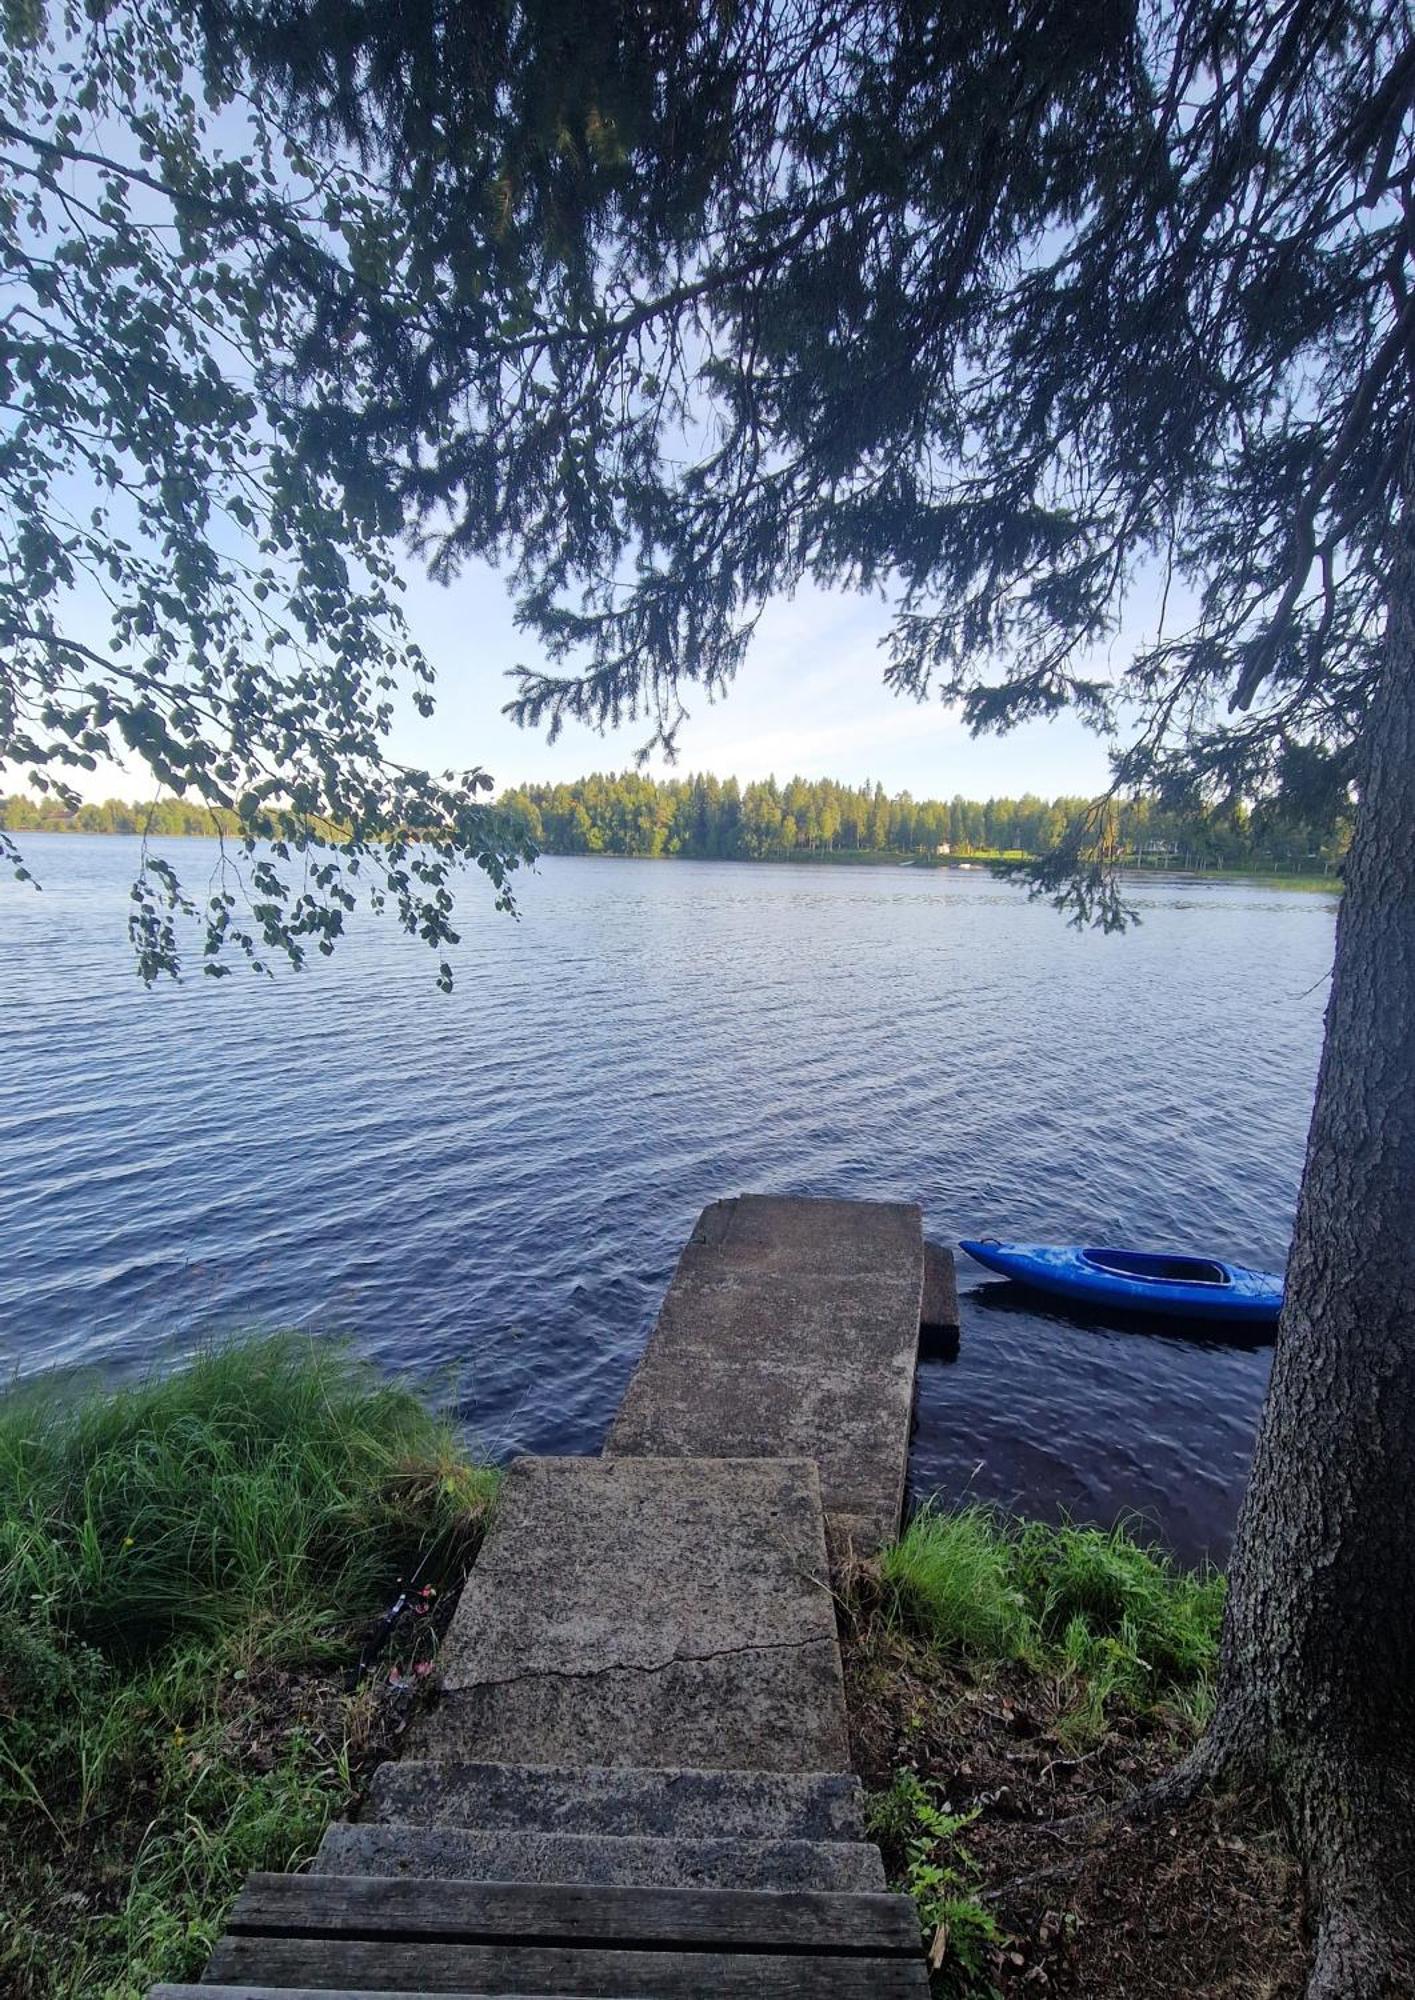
976	1635
1096	1606
185	1567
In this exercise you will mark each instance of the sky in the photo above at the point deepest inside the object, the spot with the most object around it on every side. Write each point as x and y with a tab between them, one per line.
810	701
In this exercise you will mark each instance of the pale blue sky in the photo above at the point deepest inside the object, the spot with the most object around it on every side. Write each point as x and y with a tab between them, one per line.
810	700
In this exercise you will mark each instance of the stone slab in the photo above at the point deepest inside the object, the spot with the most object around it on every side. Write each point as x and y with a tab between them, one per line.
586	1799
939	1311
464	1854
647	1612
790	1329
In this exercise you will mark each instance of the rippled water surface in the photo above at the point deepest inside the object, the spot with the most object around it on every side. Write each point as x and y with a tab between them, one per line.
497	1184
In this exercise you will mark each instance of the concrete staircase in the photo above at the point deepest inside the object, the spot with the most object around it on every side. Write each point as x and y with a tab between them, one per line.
637	1781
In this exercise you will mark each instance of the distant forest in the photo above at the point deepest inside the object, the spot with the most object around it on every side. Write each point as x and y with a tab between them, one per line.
702	817
710	818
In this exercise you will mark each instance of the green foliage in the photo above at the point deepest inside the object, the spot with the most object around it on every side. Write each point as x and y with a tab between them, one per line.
676	309
275	1478
1113	1624
162	1549
953	1576
185	583
997	315
939	1873
1117	1619
706	817
1110	1586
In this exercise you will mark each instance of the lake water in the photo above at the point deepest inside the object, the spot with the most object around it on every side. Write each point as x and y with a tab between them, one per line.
490	1189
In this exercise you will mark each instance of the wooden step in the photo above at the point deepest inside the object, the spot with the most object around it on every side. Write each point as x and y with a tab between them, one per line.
206	1992
411	1909
375	1934
297	1969
616	1975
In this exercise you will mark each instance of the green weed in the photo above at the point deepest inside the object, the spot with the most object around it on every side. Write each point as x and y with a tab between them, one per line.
952	1576
960	1934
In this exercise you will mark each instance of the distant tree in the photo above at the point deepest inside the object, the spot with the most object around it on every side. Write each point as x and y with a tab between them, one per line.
184	583
520	804
19	815
996	309
761	816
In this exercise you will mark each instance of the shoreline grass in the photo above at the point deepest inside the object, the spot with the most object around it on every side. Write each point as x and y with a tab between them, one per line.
1105	1611
185	1569
985	1653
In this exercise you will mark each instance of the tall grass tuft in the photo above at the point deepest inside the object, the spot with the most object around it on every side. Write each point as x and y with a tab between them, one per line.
160	1547
276	1480
1117	1618
1112	1587
952	1576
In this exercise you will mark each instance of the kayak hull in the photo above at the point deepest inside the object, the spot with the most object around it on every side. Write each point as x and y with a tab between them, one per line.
1229	1292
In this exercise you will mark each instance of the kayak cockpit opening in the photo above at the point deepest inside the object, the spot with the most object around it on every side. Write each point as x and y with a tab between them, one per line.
1165	1270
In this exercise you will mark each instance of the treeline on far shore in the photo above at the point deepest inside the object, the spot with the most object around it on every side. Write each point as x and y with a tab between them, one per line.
700	817
163	817
703	817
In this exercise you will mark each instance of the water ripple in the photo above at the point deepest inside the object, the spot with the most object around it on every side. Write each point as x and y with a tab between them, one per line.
489	1190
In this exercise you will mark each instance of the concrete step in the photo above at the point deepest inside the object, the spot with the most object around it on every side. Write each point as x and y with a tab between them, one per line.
648	1612
938	1312
613	1860
588	1798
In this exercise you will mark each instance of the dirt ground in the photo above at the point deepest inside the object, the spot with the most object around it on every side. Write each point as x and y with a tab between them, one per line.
1203	1904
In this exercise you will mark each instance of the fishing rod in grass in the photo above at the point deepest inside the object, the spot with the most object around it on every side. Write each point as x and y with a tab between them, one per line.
409	1599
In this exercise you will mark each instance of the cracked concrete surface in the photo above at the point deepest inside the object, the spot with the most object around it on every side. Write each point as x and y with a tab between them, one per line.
648	1611
790	1329
685	1659
669	1603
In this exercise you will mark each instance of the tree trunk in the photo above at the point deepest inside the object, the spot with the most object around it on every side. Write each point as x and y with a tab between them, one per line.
1318	1680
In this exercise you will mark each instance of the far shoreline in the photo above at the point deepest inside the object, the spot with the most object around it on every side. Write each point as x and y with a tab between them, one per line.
977	862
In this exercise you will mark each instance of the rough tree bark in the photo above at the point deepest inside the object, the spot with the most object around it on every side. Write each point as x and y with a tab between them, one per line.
1317	1688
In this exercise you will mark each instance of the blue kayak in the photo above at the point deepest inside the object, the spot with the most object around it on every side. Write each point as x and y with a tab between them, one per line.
1138	1280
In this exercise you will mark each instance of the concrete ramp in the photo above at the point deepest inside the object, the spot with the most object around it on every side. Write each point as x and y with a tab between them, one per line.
647	1613
790	1330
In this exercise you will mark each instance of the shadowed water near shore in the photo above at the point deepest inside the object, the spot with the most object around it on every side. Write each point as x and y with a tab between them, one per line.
497	1185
